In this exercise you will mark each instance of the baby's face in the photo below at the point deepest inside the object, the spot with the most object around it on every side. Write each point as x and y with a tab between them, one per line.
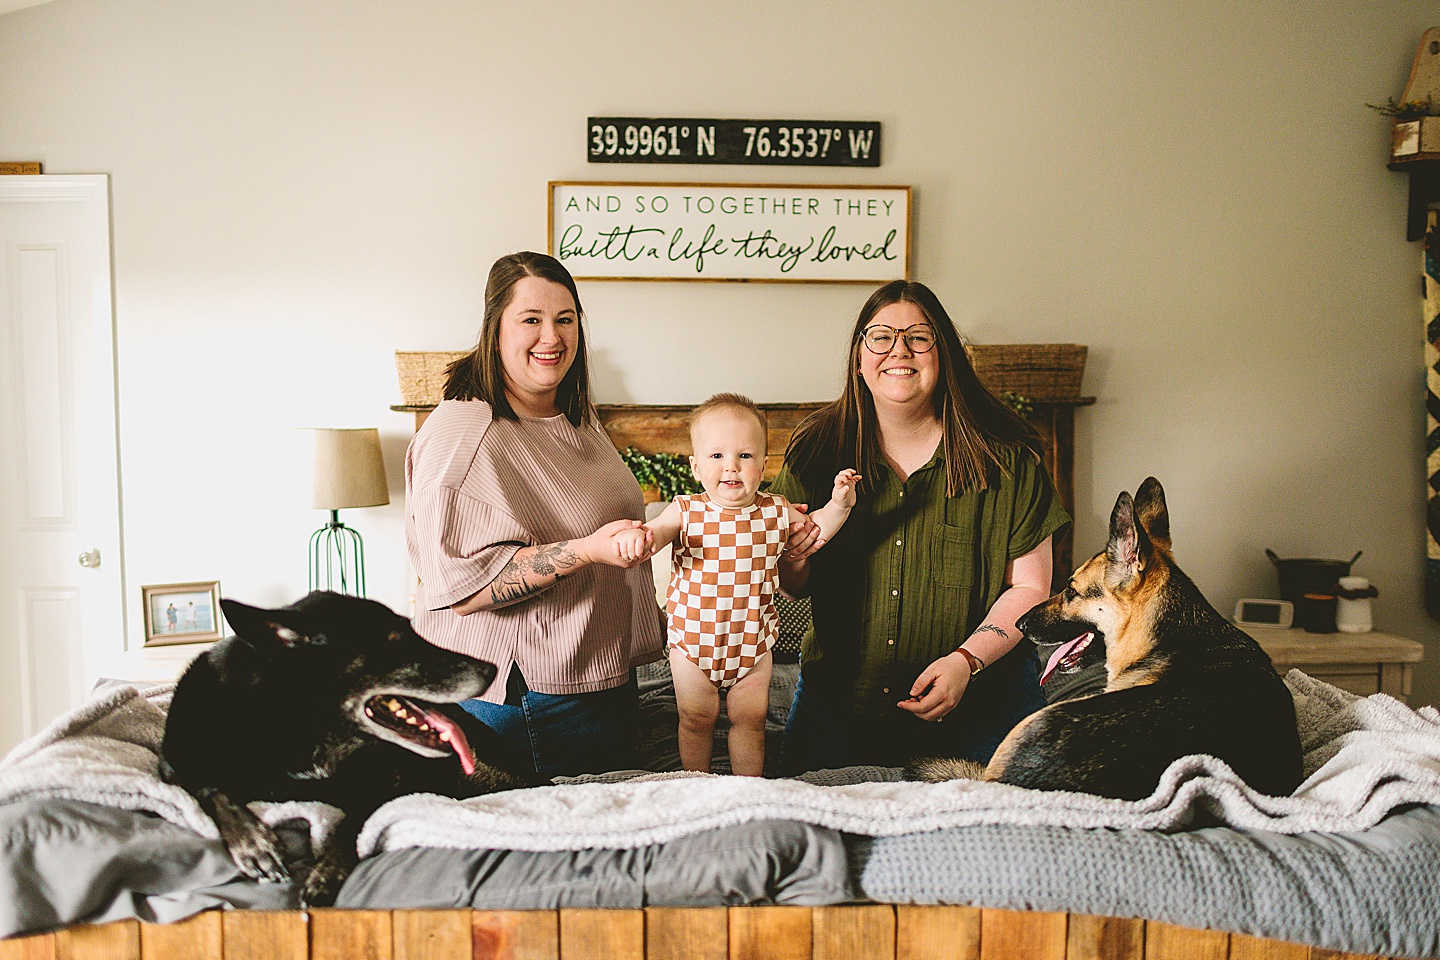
729	459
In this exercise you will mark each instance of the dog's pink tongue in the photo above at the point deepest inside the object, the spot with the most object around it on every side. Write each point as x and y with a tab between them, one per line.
458	743
1053	663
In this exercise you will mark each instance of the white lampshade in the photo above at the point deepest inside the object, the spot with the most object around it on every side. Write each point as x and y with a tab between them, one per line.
349	469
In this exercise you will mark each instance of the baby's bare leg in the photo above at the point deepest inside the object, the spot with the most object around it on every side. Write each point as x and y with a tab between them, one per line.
746	704
699	704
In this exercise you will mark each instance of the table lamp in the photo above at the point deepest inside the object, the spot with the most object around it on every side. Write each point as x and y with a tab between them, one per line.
349	472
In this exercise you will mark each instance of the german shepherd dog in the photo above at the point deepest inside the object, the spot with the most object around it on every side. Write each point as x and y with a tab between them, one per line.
334	699
1181	679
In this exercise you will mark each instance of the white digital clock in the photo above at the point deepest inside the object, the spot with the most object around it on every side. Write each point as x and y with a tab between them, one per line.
1250	612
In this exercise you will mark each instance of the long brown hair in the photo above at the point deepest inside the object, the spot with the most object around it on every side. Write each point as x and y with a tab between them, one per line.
480	374
976	423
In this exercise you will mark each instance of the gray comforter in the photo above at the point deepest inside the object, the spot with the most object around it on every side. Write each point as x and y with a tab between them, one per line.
67	860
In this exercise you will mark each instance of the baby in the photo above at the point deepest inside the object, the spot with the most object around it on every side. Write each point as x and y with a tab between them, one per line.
721	605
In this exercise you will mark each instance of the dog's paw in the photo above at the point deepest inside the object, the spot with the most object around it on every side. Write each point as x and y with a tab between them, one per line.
488	779
256	851
940	769
252	844
322	885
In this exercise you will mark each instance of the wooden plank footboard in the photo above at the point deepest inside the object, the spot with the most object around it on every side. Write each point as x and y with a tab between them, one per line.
864	932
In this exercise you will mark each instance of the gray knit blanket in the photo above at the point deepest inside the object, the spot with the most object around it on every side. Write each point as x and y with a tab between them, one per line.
1363	757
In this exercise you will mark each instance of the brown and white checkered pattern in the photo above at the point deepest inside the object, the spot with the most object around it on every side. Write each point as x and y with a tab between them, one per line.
722	589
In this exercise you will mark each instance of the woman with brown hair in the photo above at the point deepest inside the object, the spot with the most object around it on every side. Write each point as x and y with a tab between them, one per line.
913	649
513	490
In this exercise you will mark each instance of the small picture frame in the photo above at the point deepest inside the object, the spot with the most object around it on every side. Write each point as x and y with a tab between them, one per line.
182	613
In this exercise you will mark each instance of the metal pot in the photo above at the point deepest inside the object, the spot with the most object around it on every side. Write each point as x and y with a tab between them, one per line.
1308	575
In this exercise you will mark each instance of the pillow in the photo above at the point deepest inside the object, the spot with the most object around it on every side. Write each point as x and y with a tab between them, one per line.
770	861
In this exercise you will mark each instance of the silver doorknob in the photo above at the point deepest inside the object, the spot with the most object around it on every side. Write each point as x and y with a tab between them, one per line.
90	558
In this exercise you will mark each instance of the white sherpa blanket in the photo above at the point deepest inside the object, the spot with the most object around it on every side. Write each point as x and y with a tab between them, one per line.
107	752
1363	757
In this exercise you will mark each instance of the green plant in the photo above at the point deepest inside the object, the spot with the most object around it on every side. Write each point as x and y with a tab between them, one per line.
1409	110
1018	403
668	473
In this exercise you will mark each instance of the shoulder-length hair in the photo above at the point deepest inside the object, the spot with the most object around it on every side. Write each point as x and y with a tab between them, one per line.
480	374
976	423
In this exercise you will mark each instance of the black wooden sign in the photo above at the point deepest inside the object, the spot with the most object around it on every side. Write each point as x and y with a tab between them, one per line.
776	143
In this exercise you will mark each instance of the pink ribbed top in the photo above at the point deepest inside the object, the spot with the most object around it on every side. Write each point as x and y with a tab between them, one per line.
477	489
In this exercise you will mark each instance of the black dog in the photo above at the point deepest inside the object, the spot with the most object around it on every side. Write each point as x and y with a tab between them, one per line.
334	699
1181	679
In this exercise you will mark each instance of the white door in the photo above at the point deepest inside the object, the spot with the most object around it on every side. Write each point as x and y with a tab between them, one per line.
61	589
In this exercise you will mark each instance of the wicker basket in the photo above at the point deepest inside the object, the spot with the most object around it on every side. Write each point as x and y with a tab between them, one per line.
422	375
1036	371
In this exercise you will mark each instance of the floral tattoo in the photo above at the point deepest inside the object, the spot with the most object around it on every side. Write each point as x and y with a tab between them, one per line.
528	573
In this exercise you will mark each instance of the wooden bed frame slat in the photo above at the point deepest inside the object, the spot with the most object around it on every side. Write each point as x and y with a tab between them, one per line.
1008	933
1104	938
1166	942
432	935
853	933
775	933
858	932
351	935
937	933
588	934
1253	948
516	934
111	941
266	935
199	936
687	933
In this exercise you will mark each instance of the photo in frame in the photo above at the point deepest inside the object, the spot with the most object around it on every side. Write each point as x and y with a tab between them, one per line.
182	613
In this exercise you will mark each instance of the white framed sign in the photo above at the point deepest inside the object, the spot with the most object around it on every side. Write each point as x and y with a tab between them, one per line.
731	231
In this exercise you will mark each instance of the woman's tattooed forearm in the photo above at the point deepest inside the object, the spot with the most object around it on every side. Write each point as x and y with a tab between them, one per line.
991	628
532	570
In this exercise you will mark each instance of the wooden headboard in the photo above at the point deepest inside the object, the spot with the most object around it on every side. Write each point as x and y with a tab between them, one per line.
1047	375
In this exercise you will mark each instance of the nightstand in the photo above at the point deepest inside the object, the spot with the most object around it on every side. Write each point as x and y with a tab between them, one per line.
1363	663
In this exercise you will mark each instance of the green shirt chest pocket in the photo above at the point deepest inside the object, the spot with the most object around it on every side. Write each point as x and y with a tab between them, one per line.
952	555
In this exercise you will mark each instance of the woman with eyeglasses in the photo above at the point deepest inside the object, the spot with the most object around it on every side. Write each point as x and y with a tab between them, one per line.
913	650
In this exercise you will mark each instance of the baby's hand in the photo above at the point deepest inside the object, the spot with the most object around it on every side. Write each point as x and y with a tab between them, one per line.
632	545
844	493
603	546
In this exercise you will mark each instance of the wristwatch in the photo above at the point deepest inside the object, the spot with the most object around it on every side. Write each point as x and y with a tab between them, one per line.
976	664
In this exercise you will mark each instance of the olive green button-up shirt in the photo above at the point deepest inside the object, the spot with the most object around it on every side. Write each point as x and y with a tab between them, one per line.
912	573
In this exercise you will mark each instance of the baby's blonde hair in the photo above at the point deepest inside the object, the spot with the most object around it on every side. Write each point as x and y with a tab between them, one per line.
731	401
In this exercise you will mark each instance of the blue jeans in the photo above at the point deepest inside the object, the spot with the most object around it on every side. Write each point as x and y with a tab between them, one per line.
564	735
823	732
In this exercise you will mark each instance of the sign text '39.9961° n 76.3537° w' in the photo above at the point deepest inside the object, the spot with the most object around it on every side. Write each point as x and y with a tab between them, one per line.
792	143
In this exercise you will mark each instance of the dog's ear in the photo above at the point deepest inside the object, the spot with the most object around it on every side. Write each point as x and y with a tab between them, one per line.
1151	512
265	628
1129	548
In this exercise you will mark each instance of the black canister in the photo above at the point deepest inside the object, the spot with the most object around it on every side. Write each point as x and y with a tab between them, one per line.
1309	575
1316	612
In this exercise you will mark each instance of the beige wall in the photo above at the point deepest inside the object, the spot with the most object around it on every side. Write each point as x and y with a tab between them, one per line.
1195	189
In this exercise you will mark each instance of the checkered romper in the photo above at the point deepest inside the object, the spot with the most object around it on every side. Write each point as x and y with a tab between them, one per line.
722	592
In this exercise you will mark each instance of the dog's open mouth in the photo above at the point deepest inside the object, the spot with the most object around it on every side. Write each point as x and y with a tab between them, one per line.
421	724
1067	656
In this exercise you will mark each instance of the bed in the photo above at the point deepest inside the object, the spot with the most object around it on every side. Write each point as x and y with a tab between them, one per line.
101	861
